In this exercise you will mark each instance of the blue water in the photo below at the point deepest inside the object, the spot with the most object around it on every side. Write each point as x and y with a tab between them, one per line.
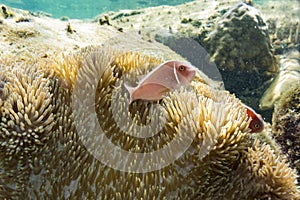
81	9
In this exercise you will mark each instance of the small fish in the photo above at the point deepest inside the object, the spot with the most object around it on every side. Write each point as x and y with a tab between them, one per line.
168	76
257	123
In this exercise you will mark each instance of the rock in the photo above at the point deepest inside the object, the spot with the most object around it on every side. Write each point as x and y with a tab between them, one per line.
240	41
288	76
240	46
284	34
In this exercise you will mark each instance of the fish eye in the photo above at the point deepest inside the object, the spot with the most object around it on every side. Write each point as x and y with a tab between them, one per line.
181	68
256	125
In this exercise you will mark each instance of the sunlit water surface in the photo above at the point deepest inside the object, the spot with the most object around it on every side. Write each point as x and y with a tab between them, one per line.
81	9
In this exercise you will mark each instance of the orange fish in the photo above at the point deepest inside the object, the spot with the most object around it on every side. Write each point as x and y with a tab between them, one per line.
257	123
168	76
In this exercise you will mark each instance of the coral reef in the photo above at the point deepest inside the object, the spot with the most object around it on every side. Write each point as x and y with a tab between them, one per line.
240	40
240	46
5	13
286	124
283	26
284	34
43	154
288	76
51	161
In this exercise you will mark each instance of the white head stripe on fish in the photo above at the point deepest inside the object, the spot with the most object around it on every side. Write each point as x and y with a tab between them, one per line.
175	73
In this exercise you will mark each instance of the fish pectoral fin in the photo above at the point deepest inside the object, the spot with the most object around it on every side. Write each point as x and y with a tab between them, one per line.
130	89
141	77
163	91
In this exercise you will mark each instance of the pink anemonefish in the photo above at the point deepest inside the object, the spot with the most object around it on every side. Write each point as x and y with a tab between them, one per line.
257	123
168	76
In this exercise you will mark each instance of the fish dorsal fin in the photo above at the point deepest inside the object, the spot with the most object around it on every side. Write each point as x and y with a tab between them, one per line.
142	78
162	75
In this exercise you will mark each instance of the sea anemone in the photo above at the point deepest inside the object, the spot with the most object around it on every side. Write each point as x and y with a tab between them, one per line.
252	157
28	109
221	159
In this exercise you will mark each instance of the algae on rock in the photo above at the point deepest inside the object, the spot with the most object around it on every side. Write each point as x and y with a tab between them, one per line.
286	125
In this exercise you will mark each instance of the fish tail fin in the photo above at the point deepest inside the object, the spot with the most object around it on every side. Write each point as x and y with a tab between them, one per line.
130	89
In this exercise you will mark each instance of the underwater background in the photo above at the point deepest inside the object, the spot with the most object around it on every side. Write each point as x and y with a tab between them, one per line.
82	9
68	131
